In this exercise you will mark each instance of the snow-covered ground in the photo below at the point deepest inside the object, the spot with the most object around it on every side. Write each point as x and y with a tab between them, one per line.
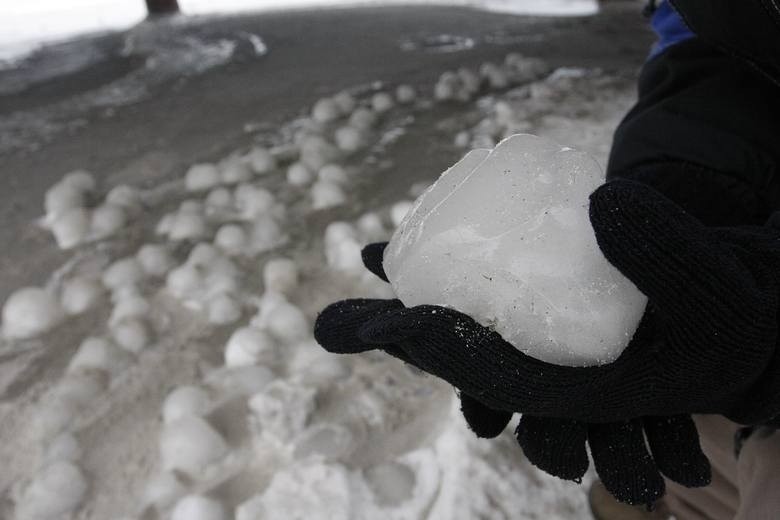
167	369
24	26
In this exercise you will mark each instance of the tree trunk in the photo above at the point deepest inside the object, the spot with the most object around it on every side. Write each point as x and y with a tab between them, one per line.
159	7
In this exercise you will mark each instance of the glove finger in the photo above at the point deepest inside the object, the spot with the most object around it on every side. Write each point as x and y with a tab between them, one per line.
477	361
675	260
337	325
373	255
674	442
483	421
623	462
556	446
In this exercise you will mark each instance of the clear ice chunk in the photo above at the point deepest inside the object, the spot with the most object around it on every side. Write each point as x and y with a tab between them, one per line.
504	236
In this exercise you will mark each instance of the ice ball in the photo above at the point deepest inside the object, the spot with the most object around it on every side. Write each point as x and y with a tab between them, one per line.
363	118
107	220
399	210
261	160
504	236
62	197
234	170
198	507
382	102
155	259
163	489
99	354
299	175
187	226
54	492
231	238
223	309
345	102
190	444
185	401
252	201
29	312
326	194
79	294
349	138
280	275
131	334
124	196
71	227
405	94
82	180
332	173
251	346
325	110
201	177
125	271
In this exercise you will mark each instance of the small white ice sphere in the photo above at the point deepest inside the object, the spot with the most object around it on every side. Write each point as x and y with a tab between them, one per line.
288	323
316	152
128	305
345	101
234	170
462	139
185	401
371	228
124	196
325	194
29	312
349	138
261	160
190	444
198	507
62	197
131	334
64	447
98	354
325	110
363	118
280	275
251	346
298	174
219	198
155	259
332	173
495	75
162	490
223	309
183	280
54	492
201	177
82	180
266	235
405	94
79	294
252	201
71	227
382	102
187	226
123	272
468	245
231	238
106	220
399	210
470	82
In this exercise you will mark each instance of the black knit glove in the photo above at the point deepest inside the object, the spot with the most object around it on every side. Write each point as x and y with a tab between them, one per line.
706	344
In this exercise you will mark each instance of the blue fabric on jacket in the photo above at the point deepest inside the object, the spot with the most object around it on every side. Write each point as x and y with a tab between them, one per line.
669	27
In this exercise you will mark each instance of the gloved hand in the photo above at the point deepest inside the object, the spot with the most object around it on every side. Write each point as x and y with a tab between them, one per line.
706	344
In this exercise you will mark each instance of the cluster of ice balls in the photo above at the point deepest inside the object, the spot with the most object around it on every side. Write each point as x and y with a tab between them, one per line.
338	127
74	219
464	84
511	115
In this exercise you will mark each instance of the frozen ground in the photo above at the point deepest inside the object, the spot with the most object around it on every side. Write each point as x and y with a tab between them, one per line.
173	373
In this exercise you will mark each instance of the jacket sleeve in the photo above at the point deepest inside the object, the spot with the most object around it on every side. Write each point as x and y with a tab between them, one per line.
746	29
704	132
